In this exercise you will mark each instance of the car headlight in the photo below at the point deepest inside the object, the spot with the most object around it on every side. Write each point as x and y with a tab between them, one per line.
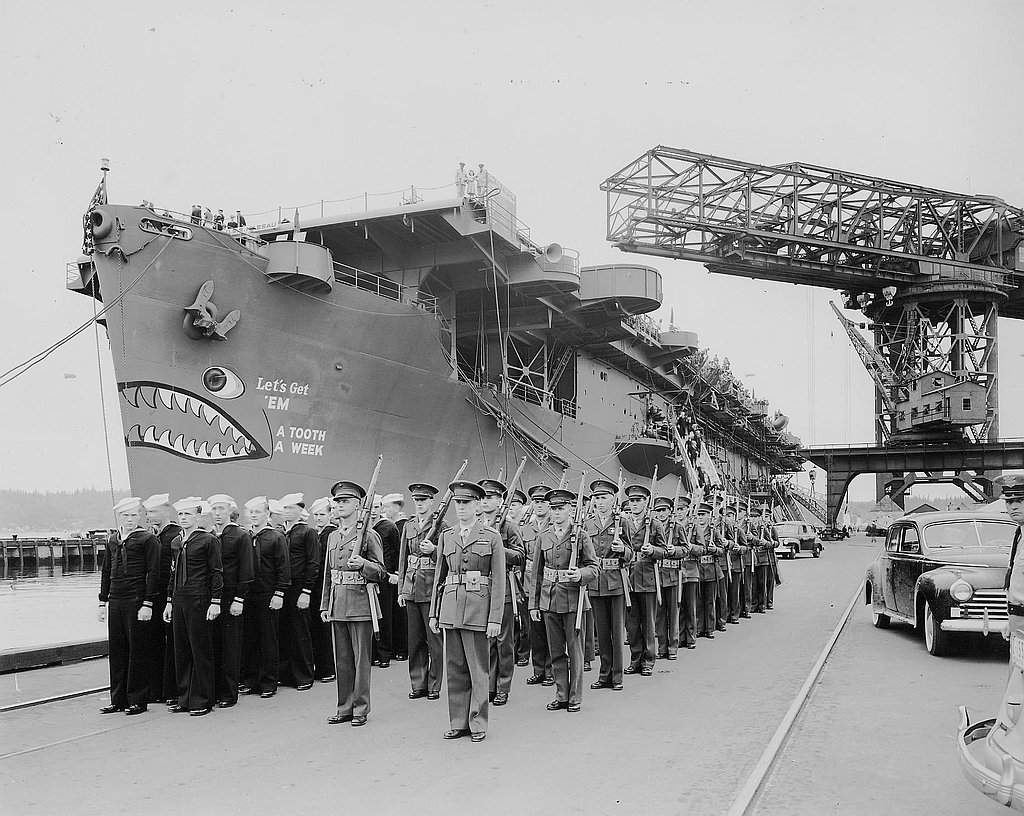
961	590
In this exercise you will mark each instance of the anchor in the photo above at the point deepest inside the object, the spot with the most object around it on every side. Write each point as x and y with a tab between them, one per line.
201	317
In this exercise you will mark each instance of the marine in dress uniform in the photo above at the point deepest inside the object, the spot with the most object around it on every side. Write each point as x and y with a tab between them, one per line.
689	541
416	567
163	685
354	567
642	615
559	587
1013	497
129	589
468	601
540	517
610	536
502	648
236	559
747	583
194	592
737	550
772	536
666	621
710	572
760	542
724	561
271	579
304	558
320	632
521	630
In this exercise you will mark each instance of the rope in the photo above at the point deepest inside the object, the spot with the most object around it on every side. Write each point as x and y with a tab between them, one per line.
103	405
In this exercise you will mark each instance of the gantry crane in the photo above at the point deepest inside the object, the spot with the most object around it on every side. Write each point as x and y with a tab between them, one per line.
931	270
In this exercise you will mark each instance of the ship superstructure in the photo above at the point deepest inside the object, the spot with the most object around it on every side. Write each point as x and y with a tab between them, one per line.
282	357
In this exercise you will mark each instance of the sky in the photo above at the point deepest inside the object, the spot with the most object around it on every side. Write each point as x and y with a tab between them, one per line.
259	105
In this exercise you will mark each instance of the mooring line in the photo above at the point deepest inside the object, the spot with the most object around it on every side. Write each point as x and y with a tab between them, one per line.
56	698
54	744
752	787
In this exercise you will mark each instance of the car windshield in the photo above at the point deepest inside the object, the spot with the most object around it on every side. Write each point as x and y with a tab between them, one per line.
969	533
787	529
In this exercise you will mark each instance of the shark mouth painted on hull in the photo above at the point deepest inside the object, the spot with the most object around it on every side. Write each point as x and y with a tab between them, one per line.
218	438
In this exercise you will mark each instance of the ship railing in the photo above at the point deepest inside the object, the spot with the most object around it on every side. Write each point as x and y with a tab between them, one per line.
539	396
644	327
244	235
384	287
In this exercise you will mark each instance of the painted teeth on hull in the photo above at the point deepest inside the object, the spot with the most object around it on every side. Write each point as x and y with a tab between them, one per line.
165	439
150	434
165	397
208	413
131	396
224	424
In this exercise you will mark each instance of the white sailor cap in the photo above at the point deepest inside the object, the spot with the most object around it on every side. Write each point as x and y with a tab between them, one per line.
256	503
304	515
129	503
223	498
156	500
393	498
275	506
321	504
293	498
205	508
191	503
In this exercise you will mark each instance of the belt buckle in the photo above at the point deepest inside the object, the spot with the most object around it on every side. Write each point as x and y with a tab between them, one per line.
335	576
414	562
472	579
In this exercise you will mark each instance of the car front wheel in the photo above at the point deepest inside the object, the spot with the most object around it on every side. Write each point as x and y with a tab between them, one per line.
936	641
817	552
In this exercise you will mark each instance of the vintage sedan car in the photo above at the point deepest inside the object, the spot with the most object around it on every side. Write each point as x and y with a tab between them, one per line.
942	573
796	537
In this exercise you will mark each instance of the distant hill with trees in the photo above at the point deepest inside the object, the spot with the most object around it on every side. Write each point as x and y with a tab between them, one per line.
55	513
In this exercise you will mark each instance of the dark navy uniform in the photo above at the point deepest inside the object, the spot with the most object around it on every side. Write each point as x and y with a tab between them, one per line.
236	558
320	632
163	684
271	576
296	643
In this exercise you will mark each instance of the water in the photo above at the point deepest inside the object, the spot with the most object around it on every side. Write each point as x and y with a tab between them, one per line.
47	605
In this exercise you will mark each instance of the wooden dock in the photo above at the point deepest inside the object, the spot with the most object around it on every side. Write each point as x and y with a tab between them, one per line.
23	554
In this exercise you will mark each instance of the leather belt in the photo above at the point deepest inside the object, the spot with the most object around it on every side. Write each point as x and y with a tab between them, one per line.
671	563
556	576
420	562
346	577
611	563
472	579
707	559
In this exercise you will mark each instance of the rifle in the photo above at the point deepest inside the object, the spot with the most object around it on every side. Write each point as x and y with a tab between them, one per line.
362	526
772	557
616	520
670	540
577	532
436	521
687	533
499	519
565	478
648	524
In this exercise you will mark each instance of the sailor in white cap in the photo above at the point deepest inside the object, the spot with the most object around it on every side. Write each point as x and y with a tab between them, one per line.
392	507
276	514
129	583
163	686
304	557
272	576
236	558
319	631
391	543
195	589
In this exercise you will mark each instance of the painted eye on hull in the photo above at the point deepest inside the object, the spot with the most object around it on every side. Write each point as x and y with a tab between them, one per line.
223	383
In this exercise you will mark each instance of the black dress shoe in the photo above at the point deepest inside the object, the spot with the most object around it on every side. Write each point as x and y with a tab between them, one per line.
384	664
548	681
572	708
631	670
522	663
646	672
456	733
415	695
171	702
132	710
586	666
266	695
601	684
177	709
225	703
758	611
111	709
337	719
557	705
662	656
733	620
304	687
501	698
720	628
328	679
478	736
433	695
744	614
358	721
616	686
401	657
244	690
770	606
670	657
691	645
200	712
535	680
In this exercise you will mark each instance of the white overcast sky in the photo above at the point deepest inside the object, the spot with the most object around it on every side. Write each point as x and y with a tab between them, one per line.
260	104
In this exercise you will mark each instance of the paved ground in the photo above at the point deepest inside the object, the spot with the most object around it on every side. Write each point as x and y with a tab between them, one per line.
683	741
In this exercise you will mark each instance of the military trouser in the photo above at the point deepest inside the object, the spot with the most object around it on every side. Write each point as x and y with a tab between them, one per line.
193	651
688	612
566	647
609	623
352	646
523	632
640	620
227	651
762	573
589	636
722	599
736	580
466	659
426	649
769	583
539	646
320	635
706	609
128	638
747	589
260	663
160	656
296	646
502	661
666	623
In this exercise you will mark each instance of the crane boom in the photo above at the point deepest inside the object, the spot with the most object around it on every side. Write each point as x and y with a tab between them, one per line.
874	362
